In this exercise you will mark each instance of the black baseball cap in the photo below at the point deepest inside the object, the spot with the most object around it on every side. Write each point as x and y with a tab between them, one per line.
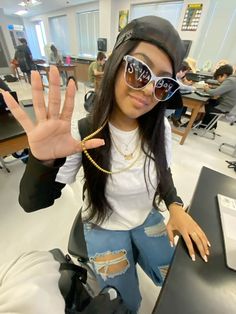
161	33
157	31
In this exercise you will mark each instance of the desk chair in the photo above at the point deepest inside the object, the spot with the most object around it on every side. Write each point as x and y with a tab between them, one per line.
205	129
3	165
78	249
231	146
23	156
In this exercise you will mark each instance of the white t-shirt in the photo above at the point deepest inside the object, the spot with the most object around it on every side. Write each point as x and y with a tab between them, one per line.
127	192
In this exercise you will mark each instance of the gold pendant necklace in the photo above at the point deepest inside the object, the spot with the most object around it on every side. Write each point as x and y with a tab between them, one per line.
94	162
127	156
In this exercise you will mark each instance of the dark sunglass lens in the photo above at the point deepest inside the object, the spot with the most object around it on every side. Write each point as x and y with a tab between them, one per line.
165	88
137	74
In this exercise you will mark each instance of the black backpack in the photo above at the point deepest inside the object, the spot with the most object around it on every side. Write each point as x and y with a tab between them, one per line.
89	100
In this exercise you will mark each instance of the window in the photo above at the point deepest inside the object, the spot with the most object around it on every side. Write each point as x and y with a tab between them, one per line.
59	33
40	31
88	29
170	11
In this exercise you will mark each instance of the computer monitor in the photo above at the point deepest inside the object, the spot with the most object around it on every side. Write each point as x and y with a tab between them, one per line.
187	45
3	105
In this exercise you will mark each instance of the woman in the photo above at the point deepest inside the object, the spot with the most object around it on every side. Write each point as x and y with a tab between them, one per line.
128	167
54	55
24	58
56	58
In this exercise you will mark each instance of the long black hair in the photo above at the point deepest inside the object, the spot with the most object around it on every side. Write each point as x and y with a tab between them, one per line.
151	128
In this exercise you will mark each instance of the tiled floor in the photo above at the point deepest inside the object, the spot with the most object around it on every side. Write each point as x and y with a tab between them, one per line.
49	228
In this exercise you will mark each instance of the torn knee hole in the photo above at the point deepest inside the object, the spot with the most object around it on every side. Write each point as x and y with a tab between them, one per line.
117	268
111	264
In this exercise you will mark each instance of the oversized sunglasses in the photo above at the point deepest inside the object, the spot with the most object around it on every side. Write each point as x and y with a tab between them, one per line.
138	75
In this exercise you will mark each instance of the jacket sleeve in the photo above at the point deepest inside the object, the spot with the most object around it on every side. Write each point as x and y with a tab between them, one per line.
225	87
38	188
168	191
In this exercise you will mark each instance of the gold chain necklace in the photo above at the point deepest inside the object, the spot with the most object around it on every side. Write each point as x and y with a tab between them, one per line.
126	156
94	162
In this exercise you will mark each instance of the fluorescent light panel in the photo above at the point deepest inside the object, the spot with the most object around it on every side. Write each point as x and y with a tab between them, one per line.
21	12
30	3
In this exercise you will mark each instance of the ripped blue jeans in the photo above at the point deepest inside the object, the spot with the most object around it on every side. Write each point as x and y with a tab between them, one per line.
114	255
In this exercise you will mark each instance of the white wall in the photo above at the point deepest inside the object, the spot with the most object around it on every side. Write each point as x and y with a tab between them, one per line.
202	43
4	22
72	23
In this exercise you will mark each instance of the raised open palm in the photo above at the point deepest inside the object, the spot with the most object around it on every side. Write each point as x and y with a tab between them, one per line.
50	136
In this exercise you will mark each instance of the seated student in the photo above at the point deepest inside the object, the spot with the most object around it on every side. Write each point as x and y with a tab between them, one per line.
224	96
56	58
96	68
185	85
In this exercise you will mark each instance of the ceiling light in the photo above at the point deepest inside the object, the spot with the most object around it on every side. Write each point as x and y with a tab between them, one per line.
30	3
21	12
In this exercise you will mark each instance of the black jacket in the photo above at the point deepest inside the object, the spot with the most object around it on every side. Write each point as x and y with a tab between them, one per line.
39	189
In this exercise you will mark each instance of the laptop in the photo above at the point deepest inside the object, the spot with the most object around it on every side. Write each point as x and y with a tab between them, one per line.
3	105
202	93
227	206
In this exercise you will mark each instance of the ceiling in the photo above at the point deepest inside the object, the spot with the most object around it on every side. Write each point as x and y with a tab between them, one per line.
11	6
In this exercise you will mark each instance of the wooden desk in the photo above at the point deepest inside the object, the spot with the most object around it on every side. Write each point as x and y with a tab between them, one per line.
67	68
199	287
196	104
12	135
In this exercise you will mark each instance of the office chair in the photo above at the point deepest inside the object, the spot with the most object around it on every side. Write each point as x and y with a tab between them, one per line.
77	249
205	129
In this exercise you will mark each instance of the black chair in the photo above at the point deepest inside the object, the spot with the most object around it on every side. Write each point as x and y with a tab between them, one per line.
77	246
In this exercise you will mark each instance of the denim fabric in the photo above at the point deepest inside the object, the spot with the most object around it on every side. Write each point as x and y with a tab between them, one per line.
114	255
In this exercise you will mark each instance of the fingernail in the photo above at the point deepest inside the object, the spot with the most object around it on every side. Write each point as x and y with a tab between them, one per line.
207	252
171	244
208	243
193	257
205	258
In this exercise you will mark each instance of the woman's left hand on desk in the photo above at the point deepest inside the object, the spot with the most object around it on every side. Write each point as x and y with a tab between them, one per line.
181	222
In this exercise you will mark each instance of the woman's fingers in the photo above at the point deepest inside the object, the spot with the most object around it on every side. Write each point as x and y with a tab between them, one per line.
54	97
69	102
93	143
170	235
18	112
189	245
38	97
199	243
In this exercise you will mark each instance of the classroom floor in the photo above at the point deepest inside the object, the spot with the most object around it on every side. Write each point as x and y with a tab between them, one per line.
49	228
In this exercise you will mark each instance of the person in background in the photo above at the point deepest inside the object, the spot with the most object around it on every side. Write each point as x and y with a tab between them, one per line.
96	68
56	58
24	58
125	151
185	86
223	97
